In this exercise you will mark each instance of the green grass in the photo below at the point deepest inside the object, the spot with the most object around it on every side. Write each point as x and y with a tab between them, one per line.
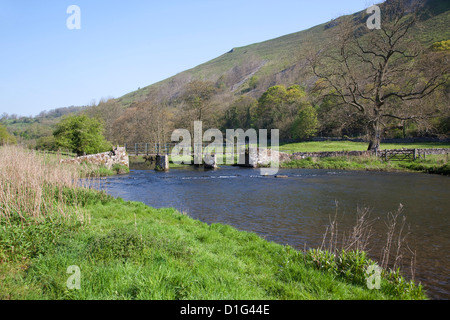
91	170
432	164
437	164
127	250
319	146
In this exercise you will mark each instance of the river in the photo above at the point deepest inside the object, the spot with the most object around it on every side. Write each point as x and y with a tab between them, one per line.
296	210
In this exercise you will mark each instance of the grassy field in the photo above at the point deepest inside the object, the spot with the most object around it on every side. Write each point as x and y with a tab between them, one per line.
320	146
127	250
436	164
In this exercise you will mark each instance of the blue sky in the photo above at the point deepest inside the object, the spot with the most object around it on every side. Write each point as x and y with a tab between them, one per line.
123	45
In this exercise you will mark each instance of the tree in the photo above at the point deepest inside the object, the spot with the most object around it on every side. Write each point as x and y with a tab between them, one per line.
278	107
143	122
253	83
107	111
239	114
46	143
5	137
197	97
81	134
306	124
380	73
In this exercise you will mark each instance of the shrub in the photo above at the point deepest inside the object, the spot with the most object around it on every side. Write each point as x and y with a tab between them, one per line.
81	135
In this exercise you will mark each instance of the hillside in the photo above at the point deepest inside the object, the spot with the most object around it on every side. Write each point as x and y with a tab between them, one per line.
240	77
281	60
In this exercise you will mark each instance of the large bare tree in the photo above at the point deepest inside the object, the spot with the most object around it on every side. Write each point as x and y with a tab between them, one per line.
143	122
380	73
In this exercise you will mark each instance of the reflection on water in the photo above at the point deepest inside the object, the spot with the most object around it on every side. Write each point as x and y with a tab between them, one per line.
296	210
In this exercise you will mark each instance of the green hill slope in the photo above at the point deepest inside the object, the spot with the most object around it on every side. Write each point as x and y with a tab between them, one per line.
282	60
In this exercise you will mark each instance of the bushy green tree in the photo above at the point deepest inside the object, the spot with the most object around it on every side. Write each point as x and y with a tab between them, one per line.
5	137
253	83
306	124
239	114
278	107
81	135
46	143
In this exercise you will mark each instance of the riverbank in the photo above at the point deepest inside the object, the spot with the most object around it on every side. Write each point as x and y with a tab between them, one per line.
434	164
330	146
103	171
127	250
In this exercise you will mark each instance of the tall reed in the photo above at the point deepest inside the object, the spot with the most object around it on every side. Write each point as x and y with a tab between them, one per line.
32	184
358	238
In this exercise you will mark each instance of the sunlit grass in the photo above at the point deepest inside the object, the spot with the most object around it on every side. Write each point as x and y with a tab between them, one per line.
322	146
127	250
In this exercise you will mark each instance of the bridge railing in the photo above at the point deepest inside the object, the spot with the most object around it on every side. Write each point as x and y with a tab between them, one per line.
138	149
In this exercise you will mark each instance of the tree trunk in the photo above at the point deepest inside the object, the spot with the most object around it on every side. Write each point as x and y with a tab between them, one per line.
374	135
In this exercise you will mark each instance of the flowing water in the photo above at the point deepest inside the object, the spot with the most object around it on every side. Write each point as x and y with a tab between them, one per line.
296	210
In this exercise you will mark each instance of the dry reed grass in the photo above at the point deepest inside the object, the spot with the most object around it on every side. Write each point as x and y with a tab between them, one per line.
32	185
395	249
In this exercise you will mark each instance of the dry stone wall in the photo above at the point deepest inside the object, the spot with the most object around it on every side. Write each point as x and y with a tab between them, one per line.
303	155
108	159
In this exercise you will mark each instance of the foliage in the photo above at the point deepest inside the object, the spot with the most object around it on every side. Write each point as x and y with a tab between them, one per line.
239	114
441	46
306	124
46	143
120	169
253	82
5	137
144	121
197	97
81	134
353	266
278	107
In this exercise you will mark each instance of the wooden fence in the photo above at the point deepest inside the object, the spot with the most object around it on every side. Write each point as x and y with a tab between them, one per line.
402	155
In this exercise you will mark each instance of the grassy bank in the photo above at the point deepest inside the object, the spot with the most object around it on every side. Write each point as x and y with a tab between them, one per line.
321	146
127	250
436	164
89	170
